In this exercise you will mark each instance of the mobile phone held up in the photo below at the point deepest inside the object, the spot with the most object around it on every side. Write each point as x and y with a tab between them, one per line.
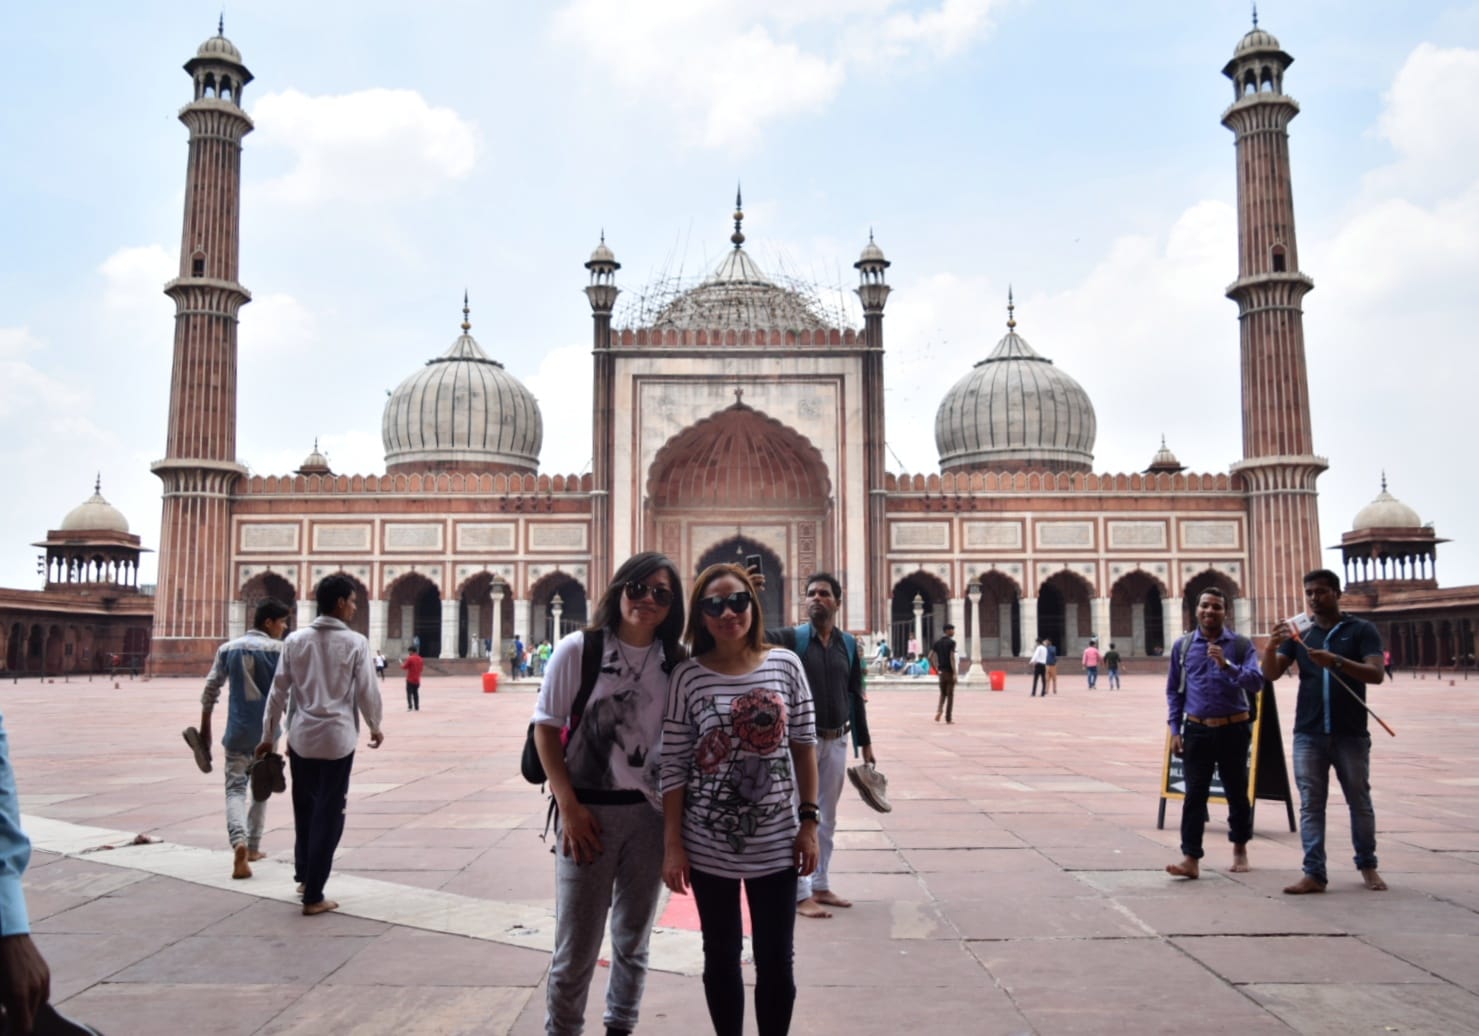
752	564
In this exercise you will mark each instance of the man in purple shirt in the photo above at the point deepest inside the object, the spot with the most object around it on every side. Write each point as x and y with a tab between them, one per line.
1213	675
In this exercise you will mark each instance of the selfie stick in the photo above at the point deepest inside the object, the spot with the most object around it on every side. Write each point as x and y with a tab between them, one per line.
1349	689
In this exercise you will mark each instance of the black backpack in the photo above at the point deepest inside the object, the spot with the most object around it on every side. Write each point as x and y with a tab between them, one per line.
590	671
1241	646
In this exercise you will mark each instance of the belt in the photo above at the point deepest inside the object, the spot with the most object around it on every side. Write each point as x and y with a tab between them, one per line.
830	734
1219	721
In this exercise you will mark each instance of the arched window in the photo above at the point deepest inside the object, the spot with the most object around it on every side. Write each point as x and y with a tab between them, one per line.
197	265
1277	255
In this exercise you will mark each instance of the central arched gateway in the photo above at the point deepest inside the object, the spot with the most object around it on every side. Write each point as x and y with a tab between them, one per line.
740	477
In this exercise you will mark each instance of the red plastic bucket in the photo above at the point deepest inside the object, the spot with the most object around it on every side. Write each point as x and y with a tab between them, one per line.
490	683
998	680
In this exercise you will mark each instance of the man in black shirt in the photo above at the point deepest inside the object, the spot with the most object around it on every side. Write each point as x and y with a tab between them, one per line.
835	673
942	657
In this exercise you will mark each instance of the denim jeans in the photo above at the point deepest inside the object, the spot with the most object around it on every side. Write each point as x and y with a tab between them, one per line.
1092	672
245	817
772	900
1114	679
624	880
1225	749
1350	755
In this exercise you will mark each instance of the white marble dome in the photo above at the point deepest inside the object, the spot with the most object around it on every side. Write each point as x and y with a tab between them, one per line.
1386	512
462	412
1015	411
95	515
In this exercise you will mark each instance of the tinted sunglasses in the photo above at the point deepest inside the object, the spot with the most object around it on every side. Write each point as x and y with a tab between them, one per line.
636	591
736	602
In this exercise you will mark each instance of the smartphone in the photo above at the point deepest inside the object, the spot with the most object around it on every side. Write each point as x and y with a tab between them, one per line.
752	564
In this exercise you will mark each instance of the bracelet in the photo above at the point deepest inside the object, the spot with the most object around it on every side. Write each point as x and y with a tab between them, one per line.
811	813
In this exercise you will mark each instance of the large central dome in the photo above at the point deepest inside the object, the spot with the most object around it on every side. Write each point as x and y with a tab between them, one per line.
1015	411
739	297
462	412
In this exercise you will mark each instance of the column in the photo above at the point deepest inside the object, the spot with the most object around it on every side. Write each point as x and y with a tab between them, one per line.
379	612
1101	622
973	593
1243	617
1170	622
450	608
1137	629
919	624
557	609
236	623
474	630
1029	626
307	612
1003	630
521	619
495	625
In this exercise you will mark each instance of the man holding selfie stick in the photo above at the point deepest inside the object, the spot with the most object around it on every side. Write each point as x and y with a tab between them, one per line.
1338	655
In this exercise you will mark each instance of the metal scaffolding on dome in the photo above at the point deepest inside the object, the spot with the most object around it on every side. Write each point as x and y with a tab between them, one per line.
738	296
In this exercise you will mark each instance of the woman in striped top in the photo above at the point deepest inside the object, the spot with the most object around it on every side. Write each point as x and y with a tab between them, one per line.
738	747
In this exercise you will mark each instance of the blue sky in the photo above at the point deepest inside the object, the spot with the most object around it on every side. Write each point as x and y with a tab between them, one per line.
1069	149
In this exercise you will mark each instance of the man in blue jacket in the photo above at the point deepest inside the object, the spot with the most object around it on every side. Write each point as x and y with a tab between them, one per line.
246	665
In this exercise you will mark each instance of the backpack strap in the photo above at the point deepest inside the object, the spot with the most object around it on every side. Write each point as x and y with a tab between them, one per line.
590	671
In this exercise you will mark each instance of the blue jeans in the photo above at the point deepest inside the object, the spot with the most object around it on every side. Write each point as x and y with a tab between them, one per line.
1350	755
1114	679
1092	672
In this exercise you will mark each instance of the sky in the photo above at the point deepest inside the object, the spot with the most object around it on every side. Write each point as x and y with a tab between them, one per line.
1069	150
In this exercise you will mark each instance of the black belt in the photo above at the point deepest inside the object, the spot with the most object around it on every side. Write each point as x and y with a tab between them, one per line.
831	733
609	796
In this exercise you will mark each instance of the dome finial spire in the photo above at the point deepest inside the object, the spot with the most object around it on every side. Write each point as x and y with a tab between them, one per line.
97	483
738	237
1255	14
1011	310
466	325
221	23
1383	480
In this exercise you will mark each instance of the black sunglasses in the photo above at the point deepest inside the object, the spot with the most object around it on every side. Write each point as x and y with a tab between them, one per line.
737	602
661	595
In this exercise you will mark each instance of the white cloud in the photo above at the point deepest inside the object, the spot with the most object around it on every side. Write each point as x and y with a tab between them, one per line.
1432	122
724	69
28	394
277	325
562	385
134	279
369	146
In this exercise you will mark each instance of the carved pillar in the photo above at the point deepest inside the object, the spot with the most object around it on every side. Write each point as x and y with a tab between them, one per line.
379	611
1029	626
973	592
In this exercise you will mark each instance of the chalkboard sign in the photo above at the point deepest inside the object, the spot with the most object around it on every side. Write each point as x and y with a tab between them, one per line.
1268	775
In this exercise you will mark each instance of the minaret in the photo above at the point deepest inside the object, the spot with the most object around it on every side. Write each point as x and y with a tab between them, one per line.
199	467
873	290
602	292
1279	467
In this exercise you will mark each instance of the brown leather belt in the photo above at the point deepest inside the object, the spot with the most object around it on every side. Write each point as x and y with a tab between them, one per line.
1219	721
830	734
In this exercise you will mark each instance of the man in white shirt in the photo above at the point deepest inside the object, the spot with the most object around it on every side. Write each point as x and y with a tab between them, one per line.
1040	668
328	677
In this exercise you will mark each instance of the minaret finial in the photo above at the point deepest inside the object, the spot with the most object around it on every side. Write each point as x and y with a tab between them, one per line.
466	325
1255	14
738	237
1011	310
97	484
1163	440
1383	480
221	23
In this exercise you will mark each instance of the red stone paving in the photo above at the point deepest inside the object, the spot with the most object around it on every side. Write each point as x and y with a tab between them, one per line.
1016	887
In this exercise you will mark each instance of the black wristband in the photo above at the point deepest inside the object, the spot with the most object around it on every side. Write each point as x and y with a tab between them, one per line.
811	813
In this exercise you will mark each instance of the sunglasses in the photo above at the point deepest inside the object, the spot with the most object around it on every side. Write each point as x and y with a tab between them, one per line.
736	602
661	595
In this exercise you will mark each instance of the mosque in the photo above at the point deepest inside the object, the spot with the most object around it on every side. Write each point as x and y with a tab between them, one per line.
738	416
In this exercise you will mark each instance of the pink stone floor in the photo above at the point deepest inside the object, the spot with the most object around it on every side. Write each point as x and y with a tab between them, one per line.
1017	887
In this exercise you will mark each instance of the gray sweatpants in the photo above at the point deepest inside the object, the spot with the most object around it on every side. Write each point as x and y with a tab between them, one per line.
626	880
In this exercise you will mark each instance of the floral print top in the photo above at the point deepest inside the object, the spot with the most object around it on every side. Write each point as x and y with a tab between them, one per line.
727	741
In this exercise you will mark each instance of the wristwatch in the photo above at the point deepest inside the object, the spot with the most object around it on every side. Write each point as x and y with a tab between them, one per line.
1338	664
809	812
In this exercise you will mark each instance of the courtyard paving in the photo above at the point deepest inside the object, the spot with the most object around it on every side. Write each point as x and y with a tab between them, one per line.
1017	886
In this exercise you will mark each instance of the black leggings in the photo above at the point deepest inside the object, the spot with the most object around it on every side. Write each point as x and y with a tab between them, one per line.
772	900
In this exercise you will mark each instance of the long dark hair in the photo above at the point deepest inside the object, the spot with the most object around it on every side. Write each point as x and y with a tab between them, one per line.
699	638
637	568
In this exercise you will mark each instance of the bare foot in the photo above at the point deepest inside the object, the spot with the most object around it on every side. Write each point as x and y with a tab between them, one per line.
1304	886
1240	861
239	868
1187	868
323	906
1372	879
253	855
829	898
811	908
937	717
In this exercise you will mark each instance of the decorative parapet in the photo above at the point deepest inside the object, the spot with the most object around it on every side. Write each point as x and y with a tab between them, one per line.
672	338
416	484
969	483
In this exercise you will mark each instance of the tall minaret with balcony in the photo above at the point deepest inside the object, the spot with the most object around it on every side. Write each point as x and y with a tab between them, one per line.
873	291
199	467
1279	466
602	292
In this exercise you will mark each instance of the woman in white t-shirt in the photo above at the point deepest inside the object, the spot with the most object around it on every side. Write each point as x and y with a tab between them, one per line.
738	747
605	781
